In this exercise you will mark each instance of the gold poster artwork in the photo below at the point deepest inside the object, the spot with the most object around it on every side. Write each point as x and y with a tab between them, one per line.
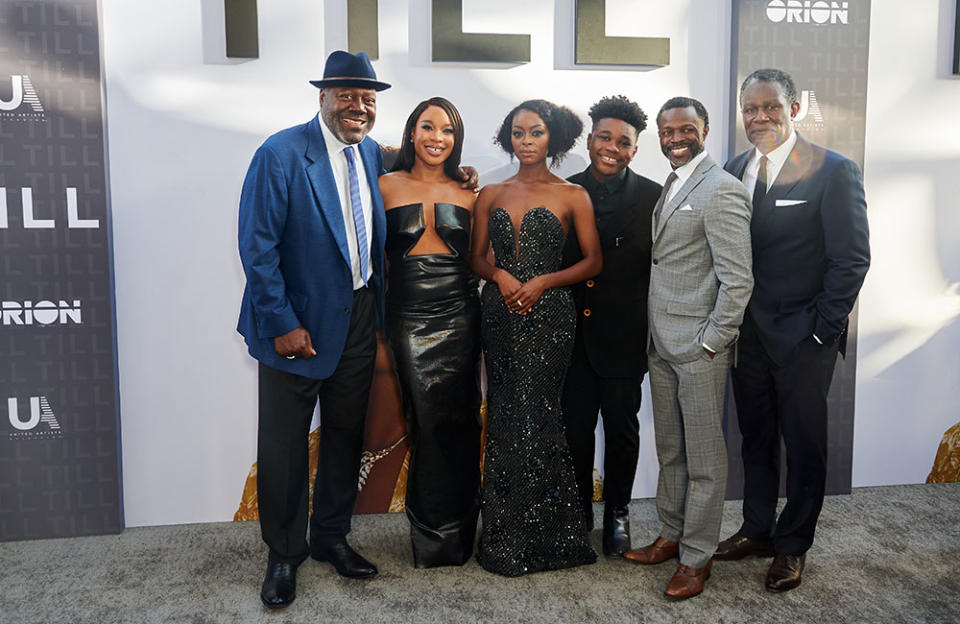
946	465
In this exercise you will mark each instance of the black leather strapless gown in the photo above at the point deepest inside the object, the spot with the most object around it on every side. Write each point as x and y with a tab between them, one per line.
433	327
532	516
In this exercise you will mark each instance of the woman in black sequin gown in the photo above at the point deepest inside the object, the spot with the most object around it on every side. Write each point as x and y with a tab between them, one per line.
532	517
433	328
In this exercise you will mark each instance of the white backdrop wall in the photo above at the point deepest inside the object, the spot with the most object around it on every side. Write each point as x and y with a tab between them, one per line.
908	371
184	121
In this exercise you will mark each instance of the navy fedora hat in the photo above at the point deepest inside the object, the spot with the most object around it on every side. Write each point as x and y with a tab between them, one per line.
349	70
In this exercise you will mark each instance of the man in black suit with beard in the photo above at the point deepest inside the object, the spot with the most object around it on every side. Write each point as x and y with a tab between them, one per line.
811	251
609	353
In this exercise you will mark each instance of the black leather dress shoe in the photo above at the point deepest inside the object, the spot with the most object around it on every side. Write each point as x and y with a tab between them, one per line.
784	572
346	560
738	546
616	531
279	585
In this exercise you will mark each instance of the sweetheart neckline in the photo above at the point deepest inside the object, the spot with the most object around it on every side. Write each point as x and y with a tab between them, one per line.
517	232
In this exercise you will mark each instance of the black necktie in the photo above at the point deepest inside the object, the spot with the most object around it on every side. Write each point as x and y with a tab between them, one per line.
760	190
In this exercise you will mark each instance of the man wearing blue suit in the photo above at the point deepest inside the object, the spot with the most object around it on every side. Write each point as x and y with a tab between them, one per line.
810	255
311	241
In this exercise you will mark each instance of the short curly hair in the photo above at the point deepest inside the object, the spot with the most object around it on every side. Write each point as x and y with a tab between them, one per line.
619	107
562	123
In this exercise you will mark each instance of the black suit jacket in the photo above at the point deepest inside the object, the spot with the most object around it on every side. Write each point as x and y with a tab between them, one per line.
811	249
612	307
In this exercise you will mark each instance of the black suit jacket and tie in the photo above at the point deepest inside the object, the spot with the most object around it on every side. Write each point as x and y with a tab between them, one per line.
811	252
609	358
811	248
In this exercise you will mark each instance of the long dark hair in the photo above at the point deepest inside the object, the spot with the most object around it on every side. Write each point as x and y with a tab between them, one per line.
408	157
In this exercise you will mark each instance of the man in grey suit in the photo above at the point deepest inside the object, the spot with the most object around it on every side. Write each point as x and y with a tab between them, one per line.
700	283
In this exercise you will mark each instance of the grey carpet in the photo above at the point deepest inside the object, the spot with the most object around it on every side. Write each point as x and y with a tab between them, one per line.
882	555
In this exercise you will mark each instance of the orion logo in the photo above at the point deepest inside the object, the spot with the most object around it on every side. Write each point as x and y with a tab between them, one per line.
809	107
24	103
40	313
40	414
807	12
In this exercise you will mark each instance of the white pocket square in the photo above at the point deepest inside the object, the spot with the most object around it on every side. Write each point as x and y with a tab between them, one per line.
686	207
790	202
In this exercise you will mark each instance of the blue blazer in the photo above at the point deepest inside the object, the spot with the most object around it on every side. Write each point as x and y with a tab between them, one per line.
811	249
293	246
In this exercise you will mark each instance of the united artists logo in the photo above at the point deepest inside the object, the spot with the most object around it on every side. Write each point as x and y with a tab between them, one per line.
40	423
807	12
24	103
40	313
809	117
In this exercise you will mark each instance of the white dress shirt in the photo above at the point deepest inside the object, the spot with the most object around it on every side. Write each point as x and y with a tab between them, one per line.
683	174
775	160
335	149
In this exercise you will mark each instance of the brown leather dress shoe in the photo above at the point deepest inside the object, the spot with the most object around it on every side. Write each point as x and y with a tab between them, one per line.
659	551
687	582
784	572
738	546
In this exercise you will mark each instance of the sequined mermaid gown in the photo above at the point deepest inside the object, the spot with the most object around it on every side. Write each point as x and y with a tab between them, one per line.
532	517
433	326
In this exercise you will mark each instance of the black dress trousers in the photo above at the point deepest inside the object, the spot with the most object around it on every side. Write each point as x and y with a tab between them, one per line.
585	394
287	402
788	400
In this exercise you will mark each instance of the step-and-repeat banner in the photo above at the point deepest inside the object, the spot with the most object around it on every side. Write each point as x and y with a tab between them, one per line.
59	421
824	46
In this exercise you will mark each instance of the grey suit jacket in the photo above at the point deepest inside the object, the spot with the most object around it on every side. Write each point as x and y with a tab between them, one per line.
701	275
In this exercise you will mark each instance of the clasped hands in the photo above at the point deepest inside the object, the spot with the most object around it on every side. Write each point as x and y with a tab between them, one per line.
520	297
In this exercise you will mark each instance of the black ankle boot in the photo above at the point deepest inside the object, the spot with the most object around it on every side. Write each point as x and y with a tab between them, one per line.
616	531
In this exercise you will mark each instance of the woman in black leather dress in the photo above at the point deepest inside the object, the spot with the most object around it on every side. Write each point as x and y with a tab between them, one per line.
433	327
532	517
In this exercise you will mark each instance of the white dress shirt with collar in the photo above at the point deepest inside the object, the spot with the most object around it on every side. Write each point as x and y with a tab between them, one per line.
683	173
775	160
338	162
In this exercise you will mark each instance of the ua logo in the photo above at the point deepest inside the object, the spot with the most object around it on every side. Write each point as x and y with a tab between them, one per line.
16	85
22	91
809	106
39	411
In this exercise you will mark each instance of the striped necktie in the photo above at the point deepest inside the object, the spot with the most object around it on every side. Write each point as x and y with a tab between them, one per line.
357	207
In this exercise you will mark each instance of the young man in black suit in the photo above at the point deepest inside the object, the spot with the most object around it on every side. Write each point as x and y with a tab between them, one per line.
811	252
609	354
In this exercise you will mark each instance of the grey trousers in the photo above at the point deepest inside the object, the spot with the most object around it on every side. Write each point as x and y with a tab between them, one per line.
687	419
